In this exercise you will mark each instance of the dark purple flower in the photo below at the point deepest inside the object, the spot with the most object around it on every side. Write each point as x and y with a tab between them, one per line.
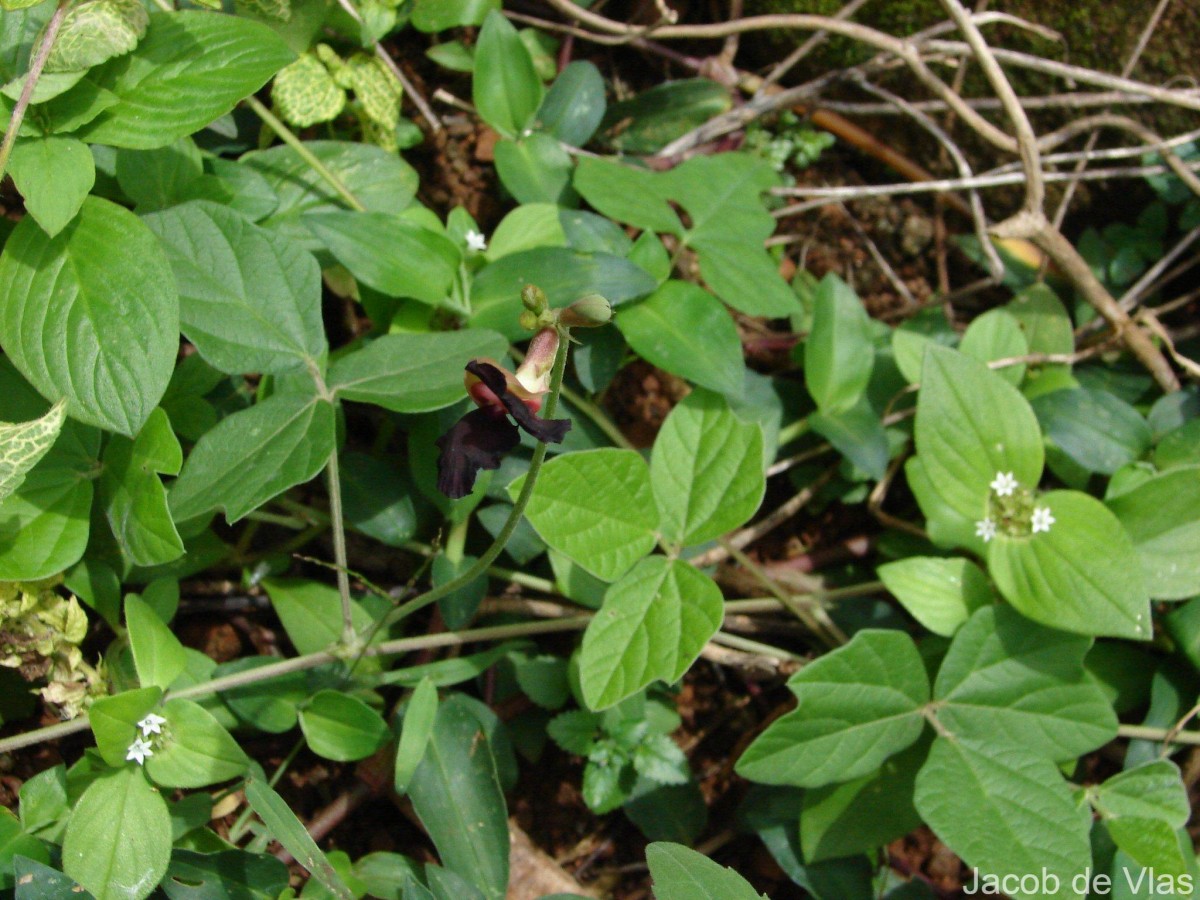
480	439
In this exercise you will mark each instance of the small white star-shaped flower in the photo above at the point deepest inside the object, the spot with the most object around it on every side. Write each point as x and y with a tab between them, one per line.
1003	484
152	724
986	529
476	242
139	750
1042	519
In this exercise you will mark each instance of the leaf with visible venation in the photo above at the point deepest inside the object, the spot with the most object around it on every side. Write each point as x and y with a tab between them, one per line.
706	469
114	721
379	180
195	750
939	592
506	88
652	626
283	825
721	195
96	31
419	715
970	425
118	842
1142	807
1006	679
44	524
54	175
1160	515
254	455
573	107
1098	430
536	169
684	329
746	277
858	434
997	335
81	321
411	373
839	353
1083	575
1005	811
342	727
23	444
250	299
626	193
133	496
683	874
564	274
305	93
597	507
311	613
856	707
395	256
456	794
189	69
157	654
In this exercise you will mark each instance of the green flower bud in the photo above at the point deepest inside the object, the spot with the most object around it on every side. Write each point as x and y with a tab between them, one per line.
591	311
534	299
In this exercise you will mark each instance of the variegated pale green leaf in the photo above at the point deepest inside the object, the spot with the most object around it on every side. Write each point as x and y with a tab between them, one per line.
23	444
375	89
305	93
95	31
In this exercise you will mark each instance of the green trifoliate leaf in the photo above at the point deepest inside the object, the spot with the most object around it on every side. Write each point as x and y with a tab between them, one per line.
118	842
1160	516
598	508
24	443
95	31
706	469
54	175
1006	679
856	707
305	93
652	626
1005	811
1080	573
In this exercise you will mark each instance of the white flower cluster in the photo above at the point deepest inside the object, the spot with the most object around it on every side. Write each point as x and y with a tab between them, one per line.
1005	484
476	242
142	747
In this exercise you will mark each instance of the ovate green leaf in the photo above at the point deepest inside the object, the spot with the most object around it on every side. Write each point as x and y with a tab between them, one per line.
342	727
684	329
683	874
506	88
157	653
652	626
1082	575
706	470
839	353
195	750
250	299
597	507
1161	516
54	175
118	842
81	321
857	706
189	69
939	592
1005	811
253	455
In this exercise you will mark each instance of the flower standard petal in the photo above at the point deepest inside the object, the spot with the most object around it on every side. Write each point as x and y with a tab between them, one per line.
548	430
477	441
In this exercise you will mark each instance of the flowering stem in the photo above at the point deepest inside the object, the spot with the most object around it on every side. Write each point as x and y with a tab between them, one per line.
480	566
